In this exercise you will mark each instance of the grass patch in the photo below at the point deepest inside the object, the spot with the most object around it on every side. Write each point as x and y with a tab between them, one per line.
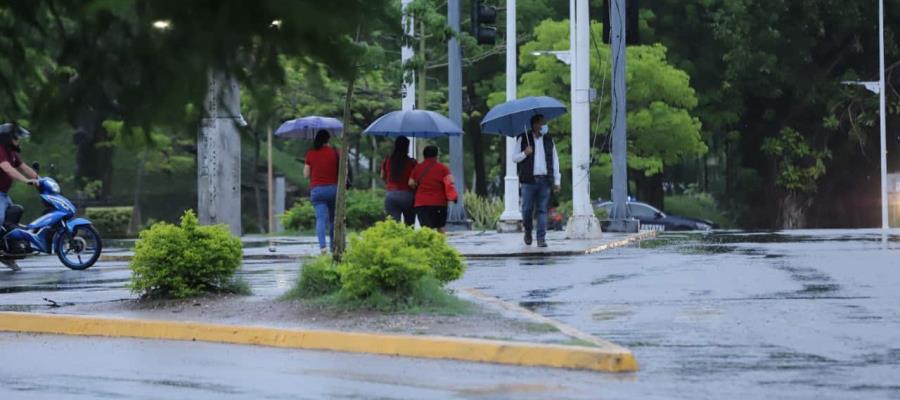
427	297
579	342
540	327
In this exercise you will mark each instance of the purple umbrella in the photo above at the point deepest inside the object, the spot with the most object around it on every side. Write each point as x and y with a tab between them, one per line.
307	127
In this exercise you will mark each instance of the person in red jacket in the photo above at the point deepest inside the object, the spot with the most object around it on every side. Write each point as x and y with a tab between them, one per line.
431	199
322	170
396	170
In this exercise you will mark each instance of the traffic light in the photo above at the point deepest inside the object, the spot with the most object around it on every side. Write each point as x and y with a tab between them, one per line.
483	14
632	10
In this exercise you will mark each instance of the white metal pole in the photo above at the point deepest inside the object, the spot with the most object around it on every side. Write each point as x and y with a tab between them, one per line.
881	91
583	224
409	81
512	215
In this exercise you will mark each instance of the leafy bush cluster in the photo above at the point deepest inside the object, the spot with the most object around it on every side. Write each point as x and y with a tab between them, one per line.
111	222
364	208
185	260
388	263
698	205
484	211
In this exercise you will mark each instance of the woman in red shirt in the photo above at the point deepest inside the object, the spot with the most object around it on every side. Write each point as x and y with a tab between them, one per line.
431	199
322	170
396	170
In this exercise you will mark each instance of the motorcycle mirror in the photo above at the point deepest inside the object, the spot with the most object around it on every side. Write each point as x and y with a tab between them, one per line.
36	166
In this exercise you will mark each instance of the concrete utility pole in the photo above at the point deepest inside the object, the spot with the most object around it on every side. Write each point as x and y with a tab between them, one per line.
885	224
620	219
456	216
409	77
511	218
219	153
582	224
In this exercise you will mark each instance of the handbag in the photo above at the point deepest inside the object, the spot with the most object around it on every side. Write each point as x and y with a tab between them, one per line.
450	189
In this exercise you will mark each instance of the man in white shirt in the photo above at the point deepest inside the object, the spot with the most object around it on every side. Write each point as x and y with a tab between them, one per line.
538	164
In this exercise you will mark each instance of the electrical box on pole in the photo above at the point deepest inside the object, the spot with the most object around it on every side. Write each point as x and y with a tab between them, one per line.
482	17
631	22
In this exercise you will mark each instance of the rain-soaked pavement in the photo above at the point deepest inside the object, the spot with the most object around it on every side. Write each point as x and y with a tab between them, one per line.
810	314
799	315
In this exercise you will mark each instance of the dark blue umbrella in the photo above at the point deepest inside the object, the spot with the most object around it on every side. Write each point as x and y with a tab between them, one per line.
307	127
514	117
413	123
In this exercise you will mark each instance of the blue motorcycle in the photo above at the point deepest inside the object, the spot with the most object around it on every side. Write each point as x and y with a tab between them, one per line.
74	240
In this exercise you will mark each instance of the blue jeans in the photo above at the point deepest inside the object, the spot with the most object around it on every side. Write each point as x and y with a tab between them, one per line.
5	202
322	198
535	198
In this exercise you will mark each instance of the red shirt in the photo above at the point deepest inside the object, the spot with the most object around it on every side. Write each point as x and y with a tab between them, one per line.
430	191
403	184
13	159
323	166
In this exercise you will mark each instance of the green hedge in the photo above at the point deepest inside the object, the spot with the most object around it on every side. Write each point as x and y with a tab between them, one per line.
387	264
185	260
364	209
111	222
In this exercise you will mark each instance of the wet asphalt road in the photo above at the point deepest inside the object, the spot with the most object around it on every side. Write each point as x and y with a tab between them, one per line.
805	315
72	368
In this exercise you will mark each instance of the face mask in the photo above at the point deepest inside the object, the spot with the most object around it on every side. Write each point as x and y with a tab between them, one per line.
544	130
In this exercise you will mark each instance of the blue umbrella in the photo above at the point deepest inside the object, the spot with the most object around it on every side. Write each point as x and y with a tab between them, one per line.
307	127
413	123
514	117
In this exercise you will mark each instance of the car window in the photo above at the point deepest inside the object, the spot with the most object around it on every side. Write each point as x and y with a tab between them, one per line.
642	211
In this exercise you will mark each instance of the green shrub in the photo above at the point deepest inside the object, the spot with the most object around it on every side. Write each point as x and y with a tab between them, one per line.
111	222
565	208
382	260
444	259
364	209
698	205
318	277
185	260
300	217
484	212
385	267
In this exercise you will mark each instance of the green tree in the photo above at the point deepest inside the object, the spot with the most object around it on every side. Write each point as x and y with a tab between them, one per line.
661	128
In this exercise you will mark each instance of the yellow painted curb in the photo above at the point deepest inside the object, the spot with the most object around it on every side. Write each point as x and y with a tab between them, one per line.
489	351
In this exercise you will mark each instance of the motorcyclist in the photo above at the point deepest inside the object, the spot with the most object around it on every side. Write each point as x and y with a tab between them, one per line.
12	169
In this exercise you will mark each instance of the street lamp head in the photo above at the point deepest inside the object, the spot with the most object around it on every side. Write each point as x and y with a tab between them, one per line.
162	24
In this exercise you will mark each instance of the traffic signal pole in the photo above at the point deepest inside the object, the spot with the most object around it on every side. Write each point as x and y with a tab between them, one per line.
457	218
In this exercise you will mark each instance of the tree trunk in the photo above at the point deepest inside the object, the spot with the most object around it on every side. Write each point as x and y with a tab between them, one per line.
356	176
792	210
340	212
372	170
92	163
650	189
260	211
474	131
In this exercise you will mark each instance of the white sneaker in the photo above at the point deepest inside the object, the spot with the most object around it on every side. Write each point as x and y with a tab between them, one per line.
10	263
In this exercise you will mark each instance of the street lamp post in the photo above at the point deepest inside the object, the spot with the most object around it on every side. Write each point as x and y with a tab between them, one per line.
884	199
512	215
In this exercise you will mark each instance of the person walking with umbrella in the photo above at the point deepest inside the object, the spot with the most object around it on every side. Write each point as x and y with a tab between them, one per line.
321	168
538	168
396	171
431	190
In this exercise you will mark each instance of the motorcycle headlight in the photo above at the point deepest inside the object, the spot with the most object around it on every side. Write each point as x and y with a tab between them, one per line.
52	186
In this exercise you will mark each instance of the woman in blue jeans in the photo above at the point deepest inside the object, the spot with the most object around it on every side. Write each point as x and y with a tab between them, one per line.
322	170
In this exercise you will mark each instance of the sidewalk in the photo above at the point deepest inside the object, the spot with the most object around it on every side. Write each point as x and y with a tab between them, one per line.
470	244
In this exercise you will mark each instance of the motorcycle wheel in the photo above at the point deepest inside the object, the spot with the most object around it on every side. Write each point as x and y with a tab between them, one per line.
80	249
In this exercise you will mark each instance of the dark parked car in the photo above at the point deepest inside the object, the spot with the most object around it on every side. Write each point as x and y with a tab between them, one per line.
654	219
